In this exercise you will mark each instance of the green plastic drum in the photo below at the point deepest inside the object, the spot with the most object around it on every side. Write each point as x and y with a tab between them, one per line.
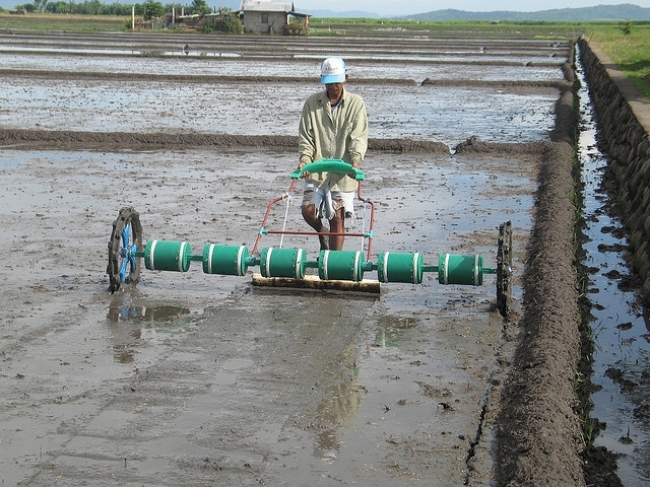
400	267
283	263
228	260
340	265
160	255
460	269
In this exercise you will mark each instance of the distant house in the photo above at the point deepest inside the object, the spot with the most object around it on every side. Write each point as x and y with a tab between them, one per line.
273	17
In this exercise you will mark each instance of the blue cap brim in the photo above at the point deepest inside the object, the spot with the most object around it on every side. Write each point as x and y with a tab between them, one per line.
332	78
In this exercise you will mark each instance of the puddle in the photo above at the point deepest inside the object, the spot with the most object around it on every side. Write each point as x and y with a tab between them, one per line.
621	359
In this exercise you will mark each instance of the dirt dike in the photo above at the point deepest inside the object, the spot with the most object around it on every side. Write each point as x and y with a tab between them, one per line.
624	119
538	434
537	431
37	139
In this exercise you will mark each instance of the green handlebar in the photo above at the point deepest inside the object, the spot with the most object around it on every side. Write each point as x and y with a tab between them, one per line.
329	165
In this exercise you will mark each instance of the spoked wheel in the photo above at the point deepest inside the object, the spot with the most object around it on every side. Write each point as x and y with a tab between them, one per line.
504	269
126	240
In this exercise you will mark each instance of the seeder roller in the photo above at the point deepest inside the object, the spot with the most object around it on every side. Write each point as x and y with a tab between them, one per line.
233	260
282	267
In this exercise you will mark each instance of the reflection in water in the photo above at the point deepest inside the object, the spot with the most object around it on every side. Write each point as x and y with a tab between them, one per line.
621	356
390	330
132	315
339	408
342	401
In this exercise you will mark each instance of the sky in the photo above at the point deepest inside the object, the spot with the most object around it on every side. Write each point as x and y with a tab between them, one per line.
395	8
406	7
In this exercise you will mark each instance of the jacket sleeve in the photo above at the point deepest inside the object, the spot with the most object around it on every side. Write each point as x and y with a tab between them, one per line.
358	138
306	136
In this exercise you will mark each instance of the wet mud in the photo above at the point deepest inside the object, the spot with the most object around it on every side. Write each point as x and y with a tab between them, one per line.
195	379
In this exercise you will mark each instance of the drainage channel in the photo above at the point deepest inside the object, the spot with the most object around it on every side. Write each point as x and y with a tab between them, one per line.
621	338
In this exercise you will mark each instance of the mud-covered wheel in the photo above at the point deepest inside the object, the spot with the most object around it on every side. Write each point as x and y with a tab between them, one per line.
504	269
126	240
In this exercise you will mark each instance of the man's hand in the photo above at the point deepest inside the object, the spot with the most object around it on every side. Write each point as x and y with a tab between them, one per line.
300	166
355	165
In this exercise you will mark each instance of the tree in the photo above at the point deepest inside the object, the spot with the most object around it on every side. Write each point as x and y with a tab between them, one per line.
200	7
92	7
230	22
153	9
29	7
59	7
39	4
118	9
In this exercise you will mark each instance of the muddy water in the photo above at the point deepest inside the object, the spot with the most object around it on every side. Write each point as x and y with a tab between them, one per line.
202	66
445	114
512	112
389	48
191	377
619	325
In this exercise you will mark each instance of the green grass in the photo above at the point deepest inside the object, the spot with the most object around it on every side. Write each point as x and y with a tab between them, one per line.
62	23
500	30
629	51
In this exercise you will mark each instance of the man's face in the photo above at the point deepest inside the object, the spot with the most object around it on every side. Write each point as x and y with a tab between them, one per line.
334	90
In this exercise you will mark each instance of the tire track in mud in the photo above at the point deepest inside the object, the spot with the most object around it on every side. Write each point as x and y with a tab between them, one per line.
178	418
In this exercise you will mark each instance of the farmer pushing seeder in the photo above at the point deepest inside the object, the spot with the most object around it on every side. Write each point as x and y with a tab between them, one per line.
285	267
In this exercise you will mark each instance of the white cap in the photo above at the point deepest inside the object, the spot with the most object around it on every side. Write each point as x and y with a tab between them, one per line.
332	71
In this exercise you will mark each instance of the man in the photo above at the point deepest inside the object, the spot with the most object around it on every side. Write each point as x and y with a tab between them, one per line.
333	125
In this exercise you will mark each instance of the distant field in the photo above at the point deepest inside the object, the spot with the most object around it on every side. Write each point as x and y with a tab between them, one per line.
626	43
448	28
319	26
62	23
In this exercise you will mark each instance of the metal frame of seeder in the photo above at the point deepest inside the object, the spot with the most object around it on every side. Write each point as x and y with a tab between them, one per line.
287	267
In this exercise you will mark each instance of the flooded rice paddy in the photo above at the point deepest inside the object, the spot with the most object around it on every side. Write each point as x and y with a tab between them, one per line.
191	379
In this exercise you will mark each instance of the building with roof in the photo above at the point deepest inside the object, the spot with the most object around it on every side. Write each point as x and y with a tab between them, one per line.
273	17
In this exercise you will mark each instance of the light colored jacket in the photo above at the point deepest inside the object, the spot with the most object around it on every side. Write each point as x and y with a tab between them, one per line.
341	134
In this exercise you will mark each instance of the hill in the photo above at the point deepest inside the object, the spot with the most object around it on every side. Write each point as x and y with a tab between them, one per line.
585	14
601	12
